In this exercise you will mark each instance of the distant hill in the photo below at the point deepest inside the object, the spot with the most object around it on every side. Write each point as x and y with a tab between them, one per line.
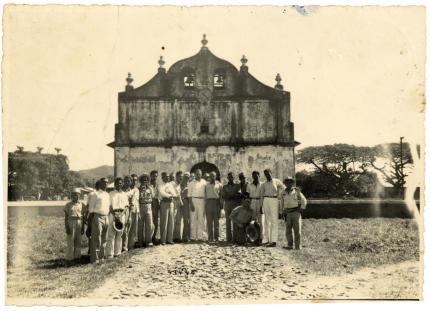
96	173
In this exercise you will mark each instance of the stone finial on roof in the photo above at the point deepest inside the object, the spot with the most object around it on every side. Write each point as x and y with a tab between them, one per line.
129	81
278	80
204	40
161	62
244	62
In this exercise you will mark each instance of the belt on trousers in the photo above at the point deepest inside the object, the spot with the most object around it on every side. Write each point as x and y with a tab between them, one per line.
292	209
197	197
271	196
166	200
146	203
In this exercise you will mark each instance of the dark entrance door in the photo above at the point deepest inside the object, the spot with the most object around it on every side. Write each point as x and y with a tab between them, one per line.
206	167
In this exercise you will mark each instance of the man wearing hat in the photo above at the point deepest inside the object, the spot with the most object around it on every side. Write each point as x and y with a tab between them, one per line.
73	220
292	203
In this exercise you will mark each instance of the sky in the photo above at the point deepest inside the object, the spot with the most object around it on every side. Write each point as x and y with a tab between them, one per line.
356	74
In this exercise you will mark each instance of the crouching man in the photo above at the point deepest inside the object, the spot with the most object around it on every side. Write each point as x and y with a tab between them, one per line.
118	206
292	204
73	219
241	216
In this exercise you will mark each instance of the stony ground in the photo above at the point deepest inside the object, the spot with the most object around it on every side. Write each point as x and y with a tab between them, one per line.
209	272
341	259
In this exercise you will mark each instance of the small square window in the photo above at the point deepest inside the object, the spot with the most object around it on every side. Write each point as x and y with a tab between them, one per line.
189	80
204	127
219	81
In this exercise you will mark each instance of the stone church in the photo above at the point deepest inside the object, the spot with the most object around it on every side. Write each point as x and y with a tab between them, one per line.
204	113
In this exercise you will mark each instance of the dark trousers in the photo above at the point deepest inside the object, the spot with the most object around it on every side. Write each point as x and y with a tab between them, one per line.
186	218
155	216
228	207
239	234
182	221
293	224
213	208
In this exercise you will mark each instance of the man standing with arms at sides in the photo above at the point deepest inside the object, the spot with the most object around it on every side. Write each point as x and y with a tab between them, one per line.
155	204
213	207
134	211
185	210
292	204
196	193
99	208
118	206
126	188
231	197
178	207
254	189
145	212
270	191
167	209
73	222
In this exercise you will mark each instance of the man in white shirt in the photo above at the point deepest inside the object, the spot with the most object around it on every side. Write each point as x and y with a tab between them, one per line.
254	190
196	191
269	194
167	194
99	209
118	206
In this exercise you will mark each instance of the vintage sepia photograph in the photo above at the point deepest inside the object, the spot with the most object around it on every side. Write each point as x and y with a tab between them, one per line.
195	155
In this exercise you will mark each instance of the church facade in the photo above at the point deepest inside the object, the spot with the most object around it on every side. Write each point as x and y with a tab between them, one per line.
204	113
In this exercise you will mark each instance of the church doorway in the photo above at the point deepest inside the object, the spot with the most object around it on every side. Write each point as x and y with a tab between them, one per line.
206	167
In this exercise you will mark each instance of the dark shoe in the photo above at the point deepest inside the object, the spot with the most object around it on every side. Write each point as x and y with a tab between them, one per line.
162	244
288	247
170	243
273	244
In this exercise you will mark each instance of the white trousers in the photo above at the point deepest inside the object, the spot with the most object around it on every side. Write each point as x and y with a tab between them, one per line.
256	215
114	239
197	220
270	210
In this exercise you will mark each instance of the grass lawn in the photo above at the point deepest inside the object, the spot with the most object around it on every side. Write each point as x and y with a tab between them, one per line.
36	251
333	246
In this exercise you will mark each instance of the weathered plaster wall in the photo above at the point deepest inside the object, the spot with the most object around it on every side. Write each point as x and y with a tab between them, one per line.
179	121
247	159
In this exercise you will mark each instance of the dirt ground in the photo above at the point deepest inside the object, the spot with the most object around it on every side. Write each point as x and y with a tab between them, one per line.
341	259
199	272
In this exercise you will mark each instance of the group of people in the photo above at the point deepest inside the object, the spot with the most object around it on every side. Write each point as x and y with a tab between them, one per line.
183	207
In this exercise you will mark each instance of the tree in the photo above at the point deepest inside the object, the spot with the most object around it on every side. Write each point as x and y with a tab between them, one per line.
41	175
342	164
395	164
